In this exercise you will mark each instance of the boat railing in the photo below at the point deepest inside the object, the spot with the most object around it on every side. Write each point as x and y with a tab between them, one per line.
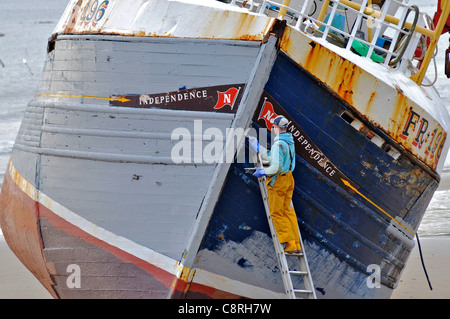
395	35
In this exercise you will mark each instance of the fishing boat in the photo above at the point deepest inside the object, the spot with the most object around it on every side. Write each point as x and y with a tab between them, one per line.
128	174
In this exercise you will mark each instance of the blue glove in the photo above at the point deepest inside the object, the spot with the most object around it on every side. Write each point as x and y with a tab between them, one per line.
254	143
259	173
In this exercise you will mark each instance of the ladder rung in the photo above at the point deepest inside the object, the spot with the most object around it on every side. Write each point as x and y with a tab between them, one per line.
293	254
300	291
298	273
282	255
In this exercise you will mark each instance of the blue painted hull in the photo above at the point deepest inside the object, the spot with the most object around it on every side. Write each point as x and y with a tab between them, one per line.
345	232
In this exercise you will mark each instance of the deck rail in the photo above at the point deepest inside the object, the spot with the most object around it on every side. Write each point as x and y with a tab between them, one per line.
395	35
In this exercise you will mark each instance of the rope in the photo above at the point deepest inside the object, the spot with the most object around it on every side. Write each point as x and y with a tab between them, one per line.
431	26
423	263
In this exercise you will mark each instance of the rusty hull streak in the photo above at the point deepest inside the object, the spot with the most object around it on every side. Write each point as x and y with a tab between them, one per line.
22	231
343	80
370	103
239	30
76	14
400	112
341	74
246	20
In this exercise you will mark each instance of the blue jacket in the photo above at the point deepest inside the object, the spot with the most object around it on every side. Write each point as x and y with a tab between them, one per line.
281	155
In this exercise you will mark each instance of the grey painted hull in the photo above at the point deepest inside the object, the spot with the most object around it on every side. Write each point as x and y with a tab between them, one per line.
97	204
111	169
133	147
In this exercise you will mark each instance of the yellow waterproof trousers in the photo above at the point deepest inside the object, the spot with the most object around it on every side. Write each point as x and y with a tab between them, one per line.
281	210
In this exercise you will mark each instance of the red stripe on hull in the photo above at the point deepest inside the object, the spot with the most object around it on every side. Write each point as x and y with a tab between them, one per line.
20	226
47	244
198	291
25	223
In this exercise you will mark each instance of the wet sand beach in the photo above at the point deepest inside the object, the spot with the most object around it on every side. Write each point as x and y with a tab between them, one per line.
413	283
16	282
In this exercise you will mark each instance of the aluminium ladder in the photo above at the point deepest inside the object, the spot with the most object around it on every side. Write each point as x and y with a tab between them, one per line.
282	256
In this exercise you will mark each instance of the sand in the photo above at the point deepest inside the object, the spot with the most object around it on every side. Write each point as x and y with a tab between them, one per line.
16	282
413	283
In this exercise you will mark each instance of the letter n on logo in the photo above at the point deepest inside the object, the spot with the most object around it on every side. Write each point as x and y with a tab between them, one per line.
227	98
267	114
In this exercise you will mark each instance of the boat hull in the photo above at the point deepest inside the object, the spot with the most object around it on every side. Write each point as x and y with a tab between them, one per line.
347	236
104	199
105	174
72	263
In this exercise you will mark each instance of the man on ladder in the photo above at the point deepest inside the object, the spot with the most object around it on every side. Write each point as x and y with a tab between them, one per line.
280	183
